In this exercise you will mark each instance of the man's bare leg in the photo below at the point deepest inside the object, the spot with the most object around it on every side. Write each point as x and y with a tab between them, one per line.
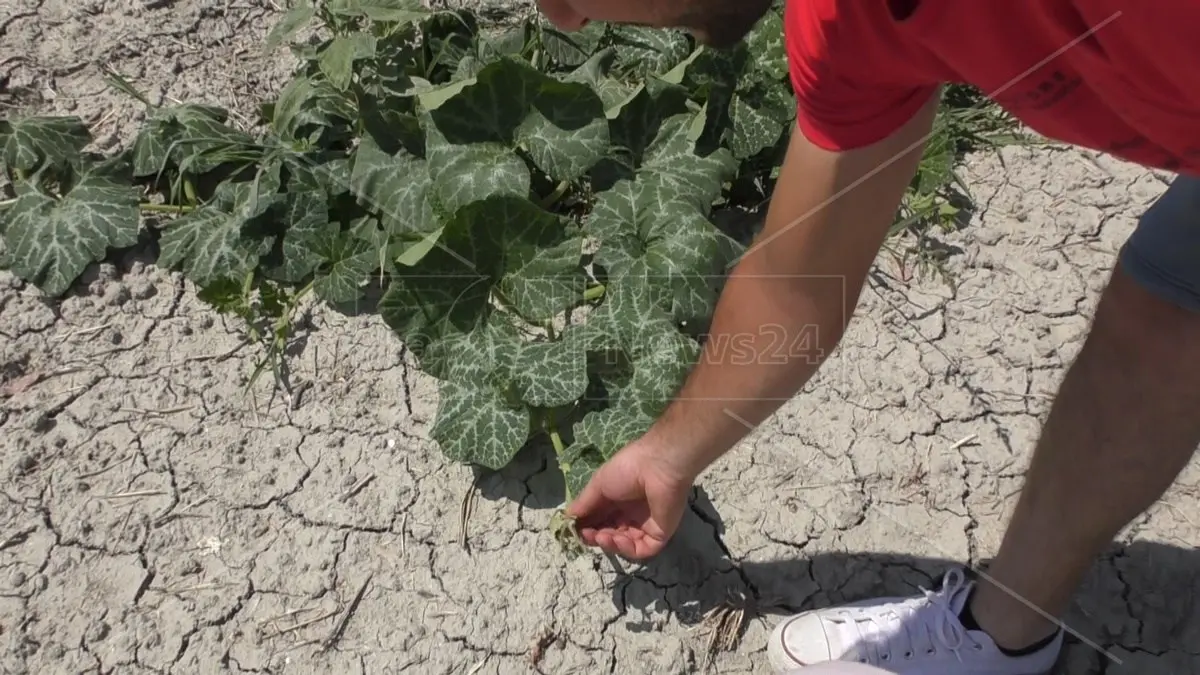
1124	424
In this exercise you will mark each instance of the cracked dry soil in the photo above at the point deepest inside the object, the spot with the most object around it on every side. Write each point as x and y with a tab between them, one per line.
152	521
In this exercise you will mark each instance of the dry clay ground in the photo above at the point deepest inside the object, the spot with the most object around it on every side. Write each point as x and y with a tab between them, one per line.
152	522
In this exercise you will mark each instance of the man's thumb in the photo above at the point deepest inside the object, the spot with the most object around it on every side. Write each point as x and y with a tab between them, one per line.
587	502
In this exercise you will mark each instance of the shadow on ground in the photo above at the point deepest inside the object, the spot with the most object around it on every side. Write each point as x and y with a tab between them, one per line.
1135	612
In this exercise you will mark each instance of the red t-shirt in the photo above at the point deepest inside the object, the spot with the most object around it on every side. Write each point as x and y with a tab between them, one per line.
1121	76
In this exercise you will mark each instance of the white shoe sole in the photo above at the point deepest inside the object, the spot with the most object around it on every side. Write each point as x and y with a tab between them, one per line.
783	663
777	654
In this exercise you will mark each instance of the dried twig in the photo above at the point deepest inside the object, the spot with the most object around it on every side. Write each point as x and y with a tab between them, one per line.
724	625
81	332
963	441
541	641
468	505
404	535
157	413
134	494
290	612
341	625
97	472
173	514
17	537
354	489
302	624
193	588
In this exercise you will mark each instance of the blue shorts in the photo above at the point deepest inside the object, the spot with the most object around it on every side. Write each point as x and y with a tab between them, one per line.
1163	253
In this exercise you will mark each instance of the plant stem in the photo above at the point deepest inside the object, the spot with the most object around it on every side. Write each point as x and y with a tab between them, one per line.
7	202
189	190
166	208
552	198
594	293
559	448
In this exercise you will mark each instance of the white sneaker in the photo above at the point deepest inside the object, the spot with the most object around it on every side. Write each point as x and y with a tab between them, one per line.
919	635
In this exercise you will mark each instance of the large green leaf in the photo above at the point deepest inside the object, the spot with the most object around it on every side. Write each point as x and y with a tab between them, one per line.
640	382
29	143
172	133
650	227
338	57
50	239
292	22
633	304
571	49
477	424
465	173
766	45
551	374
220	240
442	298
532	256
756	123
397	187
388	11
308	110
594	72
650	51
673	159
510	105
610	430
641	118
306	216
503	250
345	262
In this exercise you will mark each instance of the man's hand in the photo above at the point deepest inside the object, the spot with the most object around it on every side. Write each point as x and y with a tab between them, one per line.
633	503
785	307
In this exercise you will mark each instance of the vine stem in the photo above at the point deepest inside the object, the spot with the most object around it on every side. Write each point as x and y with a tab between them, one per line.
594	293
166	208
552	198
559	448
7	202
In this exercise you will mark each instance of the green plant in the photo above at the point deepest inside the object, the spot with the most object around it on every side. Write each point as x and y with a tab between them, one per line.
529	211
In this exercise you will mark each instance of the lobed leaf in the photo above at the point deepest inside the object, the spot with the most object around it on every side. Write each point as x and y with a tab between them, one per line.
650	51
649	227
594	72
397	187
218	240
673	159
30	143
571	49
338	57
551	374
50	239
308	109
171	134
306	216
292	22
388	11
476	424
755	125
510	105
766	44
345	263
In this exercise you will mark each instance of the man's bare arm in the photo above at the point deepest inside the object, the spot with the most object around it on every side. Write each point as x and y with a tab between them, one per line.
787	302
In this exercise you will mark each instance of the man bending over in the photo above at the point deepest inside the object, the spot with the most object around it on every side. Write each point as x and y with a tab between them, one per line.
1109	75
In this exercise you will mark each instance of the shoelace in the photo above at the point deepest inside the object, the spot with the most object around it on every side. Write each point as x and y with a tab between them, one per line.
924	623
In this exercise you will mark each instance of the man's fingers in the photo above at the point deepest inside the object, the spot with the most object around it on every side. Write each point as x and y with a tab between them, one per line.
625	546
588	535
588	502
